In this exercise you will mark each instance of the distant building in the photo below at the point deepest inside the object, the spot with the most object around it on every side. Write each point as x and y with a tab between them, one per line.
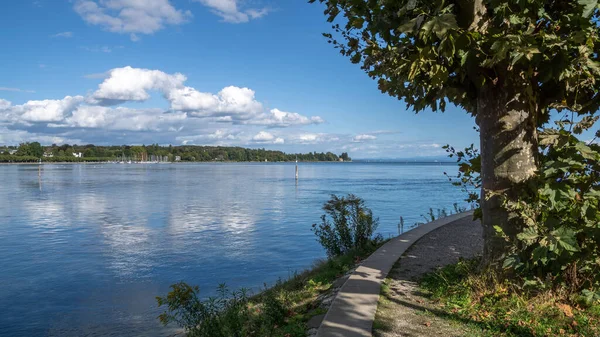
48	154
341	159
77	154
12	151
177	158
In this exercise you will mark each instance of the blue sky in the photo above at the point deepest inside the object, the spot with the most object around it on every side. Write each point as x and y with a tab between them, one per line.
253	73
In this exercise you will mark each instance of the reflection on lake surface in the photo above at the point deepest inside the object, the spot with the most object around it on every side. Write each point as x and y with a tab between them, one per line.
85	250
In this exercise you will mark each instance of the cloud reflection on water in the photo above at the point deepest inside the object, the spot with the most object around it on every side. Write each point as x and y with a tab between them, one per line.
89	252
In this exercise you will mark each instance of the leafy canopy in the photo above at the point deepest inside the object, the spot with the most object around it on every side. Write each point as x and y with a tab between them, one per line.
431	52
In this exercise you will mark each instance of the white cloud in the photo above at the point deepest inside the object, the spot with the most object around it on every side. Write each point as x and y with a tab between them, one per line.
429	146
4	104
16	90
363	138
8	136
220	136
278	118
189	99
63	34
231	12
49	110
229	101
231	105
122	119
131	16
313	138
264	137
132	84
96	119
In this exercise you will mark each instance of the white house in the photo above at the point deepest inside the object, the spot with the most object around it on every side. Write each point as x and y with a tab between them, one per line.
12	151
48	154
78	154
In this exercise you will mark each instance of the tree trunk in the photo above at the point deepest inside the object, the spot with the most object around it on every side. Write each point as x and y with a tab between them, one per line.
508	136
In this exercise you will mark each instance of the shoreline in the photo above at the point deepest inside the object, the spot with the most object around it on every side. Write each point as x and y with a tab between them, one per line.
235	162
153	163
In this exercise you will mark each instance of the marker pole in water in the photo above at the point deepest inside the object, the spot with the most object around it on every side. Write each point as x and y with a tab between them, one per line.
296	168
40	174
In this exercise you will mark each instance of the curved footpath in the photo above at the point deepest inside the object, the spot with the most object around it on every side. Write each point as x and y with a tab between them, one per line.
352	312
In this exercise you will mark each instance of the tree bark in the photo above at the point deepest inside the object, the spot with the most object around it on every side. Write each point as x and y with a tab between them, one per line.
471	14
508	136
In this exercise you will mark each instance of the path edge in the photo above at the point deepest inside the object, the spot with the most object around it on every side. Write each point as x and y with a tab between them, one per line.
352	312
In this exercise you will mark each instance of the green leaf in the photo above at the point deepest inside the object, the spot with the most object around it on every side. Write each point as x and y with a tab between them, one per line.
586	151
586	123
409	26
440	25
549	137
531	283
551	194
515	57
593	193
590	296
358	22
509	262
516	19
594	66
565	237
499	230
528	235
540	254
588	7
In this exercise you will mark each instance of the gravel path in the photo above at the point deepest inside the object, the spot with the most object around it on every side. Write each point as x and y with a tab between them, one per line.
402	310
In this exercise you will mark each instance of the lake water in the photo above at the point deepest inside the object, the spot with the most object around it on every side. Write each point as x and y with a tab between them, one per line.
85	249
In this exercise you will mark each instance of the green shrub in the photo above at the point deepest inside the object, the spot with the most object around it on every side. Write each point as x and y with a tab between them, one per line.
225	315
229	314
558	244
560	239
274	308
346	225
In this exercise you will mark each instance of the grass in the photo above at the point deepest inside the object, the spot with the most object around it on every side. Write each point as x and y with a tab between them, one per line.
303	289
496	308
281	310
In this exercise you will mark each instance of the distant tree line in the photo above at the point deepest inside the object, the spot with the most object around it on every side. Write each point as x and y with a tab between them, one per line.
34	151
